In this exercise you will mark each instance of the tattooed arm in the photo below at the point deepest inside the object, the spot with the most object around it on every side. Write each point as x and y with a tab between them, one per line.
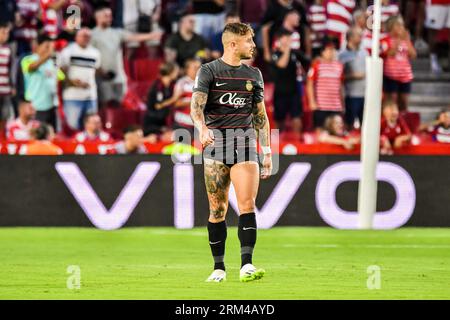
262	128
198	103
261	124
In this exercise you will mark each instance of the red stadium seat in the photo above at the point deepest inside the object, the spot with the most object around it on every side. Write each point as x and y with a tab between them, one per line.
145	70
307	120
117	119
140	88
412	119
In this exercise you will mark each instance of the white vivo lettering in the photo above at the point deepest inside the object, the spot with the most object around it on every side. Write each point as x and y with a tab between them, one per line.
230	98
125	203
281	196
267	216
183	195
340	172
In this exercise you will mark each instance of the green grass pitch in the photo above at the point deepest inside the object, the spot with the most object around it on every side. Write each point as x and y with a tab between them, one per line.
165	263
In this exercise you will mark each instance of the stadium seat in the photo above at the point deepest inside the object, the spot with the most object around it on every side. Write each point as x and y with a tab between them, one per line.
117	119
307	121
145	70
140	88
412	119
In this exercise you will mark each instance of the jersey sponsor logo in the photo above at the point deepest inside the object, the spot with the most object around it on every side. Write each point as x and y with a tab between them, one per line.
220	84
231	99
249	85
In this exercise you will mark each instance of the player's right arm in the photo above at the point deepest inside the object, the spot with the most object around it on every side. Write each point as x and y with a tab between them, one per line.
199	98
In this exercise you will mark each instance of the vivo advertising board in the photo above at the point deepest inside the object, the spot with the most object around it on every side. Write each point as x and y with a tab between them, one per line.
116	191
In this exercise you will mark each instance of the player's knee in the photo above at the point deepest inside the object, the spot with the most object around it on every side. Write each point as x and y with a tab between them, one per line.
218	214
247	206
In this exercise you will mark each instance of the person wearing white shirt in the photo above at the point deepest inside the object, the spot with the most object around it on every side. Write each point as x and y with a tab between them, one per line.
80	61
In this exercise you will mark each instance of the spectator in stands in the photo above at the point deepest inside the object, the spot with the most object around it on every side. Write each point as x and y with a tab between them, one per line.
339	19
324	85
185	43
41	142
287	74
334	133
8	9
40	76
209	17
108	41
360	19
26	25
440	128
388	10
52	16
92	130
133	141
395	133
397	51
6	90
181	99
142	16
80	61
157	116
291	23
273	20
354	59
216	40
437	18
20	128
317	19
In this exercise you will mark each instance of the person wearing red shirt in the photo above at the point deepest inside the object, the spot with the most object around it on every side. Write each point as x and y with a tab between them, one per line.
397	51
394	130
52	16
92	130
324	87
20	128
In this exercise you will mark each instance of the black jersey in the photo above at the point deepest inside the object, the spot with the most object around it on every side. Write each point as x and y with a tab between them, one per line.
233	92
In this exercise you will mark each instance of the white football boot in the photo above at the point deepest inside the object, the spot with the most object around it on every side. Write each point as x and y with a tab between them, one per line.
217	275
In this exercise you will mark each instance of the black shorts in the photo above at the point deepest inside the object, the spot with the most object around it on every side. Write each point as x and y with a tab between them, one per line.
285	104
232	150
394	86
319	117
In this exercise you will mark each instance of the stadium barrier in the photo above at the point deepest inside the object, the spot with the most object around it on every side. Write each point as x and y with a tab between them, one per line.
110	192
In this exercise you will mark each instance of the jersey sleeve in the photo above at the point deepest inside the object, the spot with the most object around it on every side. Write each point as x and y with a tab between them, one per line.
312	73
203	80
258	93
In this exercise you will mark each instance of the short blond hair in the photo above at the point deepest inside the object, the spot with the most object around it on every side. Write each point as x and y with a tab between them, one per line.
238	28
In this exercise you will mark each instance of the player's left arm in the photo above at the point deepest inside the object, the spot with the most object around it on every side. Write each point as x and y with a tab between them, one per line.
262	127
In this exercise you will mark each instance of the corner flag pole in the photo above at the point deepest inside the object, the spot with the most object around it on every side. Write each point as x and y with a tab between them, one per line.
370	142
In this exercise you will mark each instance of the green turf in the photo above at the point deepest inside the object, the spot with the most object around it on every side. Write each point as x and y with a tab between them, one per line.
164	263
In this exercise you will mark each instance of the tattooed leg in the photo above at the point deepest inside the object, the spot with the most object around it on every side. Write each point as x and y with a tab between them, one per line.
217	181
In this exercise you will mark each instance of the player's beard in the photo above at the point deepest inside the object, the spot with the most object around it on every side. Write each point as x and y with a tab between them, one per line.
248	55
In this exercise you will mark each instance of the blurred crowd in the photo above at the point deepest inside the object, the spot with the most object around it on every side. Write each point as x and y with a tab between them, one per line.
63	62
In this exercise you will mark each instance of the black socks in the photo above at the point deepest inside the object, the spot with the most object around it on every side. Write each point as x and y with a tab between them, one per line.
217	236
247	236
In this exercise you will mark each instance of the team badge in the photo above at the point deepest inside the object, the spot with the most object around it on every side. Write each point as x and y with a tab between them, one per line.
249	85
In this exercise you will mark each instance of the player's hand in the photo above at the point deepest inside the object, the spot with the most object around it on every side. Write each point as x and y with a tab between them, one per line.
266	169
206	137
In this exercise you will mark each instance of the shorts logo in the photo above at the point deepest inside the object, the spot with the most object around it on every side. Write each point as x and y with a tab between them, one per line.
231	99
249	85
